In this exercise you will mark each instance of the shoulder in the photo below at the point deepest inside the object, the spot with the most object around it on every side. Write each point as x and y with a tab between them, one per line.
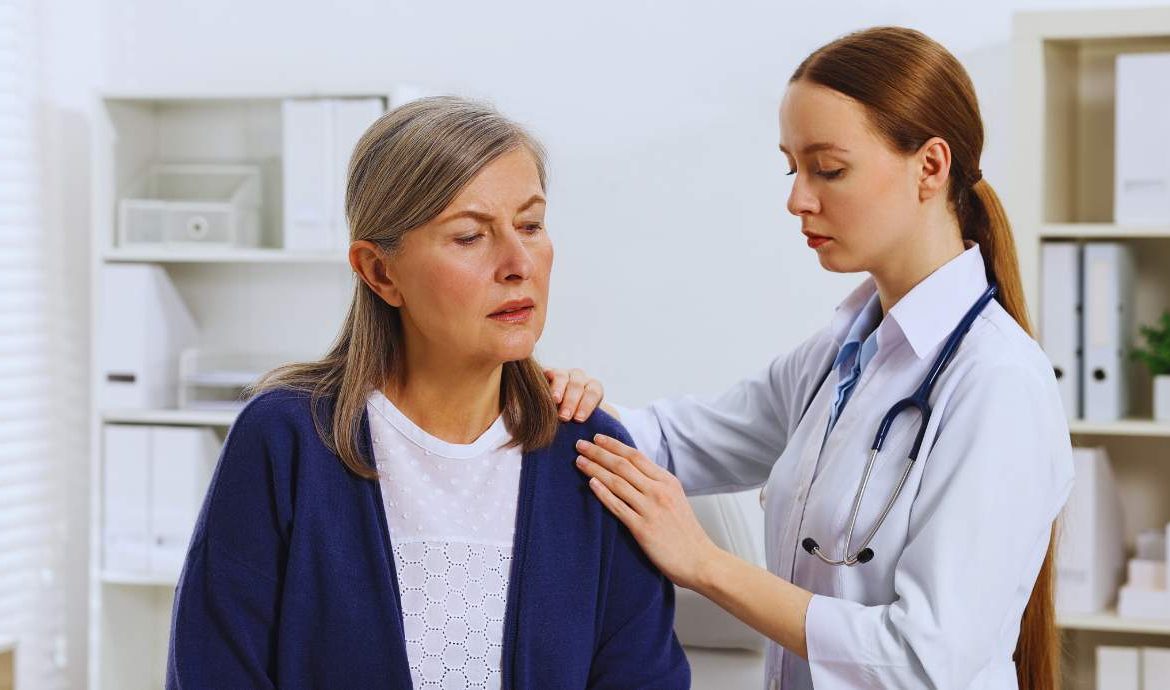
600	422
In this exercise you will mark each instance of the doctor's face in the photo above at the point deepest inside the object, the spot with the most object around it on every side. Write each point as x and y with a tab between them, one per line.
855	195
471	285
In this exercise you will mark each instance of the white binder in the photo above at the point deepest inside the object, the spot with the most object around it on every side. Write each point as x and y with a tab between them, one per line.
351	118
1108	275
1142	140
154	481
126	504
1155	668
182	460
319	136
1060	319
1118	668
144	325
307	167
1091	554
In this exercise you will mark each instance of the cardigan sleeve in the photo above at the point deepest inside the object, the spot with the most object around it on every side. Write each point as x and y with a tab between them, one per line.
637	647
223	625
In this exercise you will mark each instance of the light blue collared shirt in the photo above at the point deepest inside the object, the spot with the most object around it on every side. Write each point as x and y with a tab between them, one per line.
860	347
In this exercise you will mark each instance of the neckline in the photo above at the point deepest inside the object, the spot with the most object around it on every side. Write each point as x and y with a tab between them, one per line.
490	440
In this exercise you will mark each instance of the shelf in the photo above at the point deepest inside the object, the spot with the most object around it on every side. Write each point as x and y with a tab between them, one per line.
1102	231
1125	427
224	256
116	578
216	418
1109	621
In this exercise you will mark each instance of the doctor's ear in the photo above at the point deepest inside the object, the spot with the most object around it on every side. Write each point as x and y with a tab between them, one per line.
371	263
933	163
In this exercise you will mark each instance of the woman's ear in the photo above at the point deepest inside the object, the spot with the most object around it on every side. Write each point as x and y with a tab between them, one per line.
934	163
371	264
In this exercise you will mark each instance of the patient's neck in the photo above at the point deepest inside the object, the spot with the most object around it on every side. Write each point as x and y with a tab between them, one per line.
453	403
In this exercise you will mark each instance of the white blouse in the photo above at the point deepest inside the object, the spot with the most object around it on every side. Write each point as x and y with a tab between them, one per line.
940	603
451	510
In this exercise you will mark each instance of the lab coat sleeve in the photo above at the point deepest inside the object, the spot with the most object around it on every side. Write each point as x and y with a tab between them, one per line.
636	645
730	442
997	477
224	621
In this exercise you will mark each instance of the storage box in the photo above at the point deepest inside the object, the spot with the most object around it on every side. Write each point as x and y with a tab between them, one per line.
192	206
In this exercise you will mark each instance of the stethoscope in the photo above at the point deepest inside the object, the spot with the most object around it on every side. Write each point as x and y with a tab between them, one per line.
920	401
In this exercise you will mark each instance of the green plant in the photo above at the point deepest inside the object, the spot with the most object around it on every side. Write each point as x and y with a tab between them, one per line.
1156	354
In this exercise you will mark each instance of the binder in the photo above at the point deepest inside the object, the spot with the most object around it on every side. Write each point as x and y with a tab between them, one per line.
1142	140
1155	668
1108	275
1091	554
1060	319
1118	668
144	326
126	504
319	136
307	168
180	469
351	118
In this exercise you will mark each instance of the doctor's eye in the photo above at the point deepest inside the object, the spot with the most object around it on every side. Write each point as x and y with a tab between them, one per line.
791	172
831	174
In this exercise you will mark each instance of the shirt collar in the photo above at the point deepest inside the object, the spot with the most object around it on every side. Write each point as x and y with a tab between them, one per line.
862	328
927	314
932	309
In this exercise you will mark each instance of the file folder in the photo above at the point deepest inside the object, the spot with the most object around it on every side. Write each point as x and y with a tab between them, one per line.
1142	140
1118	668
1091	555
351	118
307	170
126	504
1060	319
144	326
182	460
1108	275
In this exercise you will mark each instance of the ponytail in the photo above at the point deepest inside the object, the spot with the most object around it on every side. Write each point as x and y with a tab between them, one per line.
983	220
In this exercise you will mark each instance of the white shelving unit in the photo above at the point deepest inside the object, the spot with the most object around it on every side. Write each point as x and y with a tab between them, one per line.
261	299
1062	189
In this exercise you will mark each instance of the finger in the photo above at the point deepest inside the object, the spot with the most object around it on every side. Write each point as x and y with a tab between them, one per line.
623	489
590	398
573	392
557	378
634	456
616	464
615	505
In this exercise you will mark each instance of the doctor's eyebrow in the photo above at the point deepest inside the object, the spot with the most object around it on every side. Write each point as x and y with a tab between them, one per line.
817	147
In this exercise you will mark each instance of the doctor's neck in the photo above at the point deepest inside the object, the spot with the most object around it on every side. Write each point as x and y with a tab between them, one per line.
936	243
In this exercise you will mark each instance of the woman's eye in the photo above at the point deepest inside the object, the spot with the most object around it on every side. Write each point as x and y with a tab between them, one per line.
533	228
831	174
468	239
791	172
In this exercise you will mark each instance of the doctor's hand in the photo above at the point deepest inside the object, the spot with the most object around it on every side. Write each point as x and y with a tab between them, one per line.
576	393
650	503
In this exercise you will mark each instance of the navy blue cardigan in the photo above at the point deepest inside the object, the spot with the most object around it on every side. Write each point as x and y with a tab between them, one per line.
290	582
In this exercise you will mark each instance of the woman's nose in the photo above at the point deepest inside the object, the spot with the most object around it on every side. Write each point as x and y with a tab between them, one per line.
801	200
516	260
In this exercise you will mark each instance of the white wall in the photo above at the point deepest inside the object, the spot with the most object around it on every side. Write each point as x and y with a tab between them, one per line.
678	268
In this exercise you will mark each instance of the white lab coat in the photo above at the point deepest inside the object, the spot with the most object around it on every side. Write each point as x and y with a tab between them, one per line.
939	605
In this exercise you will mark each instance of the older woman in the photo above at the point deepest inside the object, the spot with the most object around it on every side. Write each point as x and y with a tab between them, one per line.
405	512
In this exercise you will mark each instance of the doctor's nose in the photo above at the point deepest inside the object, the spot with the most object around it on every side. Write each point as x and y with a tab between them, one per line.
801	200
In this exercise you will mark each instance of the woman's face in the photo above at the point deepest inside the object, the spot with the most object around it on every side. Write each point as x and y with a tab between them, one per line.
856	197
472	284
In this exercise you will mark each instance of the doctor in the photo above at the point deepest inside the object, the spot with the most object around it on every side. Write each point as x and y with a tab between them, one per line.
928	563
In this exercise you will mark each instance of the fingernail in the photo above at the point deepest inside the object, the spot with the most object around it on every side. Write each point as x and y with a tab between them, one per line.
580	417
580	461
582	444
564	416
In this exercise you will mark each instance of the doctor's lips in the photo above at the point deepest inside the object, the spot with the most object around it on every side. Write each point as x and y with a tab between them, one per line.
514	311
815	240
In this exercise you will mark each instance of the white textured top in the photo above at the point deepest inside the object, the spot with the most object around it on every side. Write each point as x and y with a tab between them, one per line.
451	509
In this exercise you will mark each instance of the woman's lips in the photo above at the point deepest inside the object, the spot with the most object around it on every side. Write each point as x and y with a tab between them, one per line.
520	315
815	241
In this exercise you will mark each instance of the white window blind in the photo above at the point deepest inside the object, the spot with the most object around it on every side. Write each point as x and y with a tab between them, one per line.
32	519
